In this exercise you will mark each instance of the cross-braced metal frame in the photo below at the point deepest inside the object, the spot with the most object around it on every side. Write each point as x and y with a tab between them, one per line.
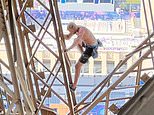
31	87
22	54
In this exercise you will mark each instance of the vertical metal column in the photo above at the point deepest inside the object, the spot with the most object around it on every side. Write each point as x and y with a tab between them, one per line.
12	64
61	52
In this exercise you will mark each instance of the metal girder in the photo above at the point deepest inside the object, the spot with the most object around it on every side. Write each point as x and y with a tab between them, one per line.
142	103
95	102
25	77
144	50
25	72
10	60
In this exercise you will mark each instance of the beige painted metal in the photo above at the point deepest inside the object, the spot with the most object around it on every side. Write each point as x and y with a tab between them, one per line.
94	103
25	69
138	77
145	50
107	103
11	64
142	103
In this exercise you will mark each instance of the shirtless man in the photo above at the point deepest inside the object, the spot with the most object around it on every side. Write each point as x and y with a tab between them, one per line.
85	39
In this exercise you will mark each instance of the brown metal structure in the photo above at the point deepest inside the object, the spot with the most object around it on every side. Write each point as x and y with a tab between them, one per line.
30	86
21	53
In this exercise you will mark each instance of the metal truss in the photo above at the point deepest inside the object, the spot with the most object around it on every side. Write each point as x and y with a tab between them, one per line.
31	87
144	52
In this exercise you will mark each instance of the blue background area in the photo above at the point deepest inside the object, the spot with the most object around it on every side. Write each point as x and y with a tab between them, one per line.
97	110
89	15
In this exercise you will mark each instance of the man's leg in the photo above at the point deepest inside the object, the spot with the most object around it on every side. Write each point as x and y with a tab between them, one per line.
83	59
77	73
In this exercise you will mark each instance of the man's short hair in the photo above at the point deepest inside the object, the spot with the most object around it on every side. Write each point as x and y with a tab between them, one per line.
72	25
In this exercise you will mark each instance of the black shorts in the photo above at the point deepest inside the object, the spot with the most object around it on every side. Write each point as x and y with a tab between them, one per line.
86	55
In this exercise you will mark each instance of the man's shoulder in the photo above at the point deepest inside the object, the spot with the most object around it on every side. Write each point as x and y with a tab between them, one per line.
82	29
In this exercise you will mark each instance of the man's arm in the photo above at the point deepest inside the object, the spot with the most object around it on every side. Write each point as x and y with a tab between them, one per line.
80	48
68	36
75	43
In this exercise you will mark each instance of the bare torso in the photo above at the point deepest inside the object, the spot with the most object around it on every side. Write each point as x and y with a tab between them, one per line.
87	37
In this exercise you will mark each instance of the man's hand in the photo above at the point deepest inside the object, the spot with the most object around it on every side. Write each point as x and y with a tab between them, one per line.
66	37
65	50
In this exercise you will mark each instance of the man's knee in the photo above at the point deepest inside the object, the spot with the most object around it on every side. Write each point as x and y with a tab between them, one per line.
76	66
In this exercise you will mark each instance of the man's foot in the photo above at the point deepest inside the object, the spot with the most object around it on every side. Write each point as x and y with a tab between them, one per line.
71	88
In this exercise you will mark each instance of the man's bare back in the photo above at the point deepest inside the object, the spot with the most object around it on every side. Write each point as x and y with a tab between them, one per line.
86	36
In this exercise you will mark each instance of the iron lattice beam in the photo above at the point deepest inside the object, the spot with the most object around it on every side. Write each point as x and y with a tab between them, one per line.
31	87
